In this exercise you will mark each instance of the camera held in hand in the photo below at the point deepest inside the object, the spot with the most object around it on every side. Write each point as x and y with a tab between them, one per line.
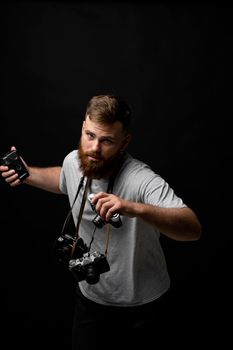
99	222
13	161
89	267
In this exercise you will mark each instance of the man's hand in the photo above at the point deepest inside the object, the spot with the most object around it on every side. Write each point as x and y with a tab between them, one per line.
10	175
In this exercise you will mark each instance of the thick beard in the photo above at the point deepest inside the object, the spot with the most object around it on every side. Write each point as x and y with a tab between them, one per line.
97	170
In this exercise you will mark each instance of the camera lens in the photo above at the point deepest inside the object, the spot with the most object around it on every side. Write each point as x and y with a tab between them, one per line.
92	277
98	221
116	220
18	167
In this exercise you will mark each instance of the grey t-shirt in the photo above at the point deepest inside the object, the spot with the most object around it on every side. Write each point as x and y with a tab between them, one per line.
138	271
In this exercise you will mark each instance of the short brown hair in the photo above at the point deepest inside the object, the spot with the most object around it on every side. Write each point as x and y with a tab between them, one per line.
108	109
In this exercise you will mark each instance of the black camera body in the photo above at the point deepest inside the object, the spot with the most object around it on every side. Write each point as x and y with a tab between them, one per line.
89	267
63	247
13	161
99	222
83	264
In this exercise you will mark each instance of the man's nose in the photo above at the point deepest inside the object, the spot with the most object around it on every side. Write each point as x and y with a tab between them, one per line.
96	146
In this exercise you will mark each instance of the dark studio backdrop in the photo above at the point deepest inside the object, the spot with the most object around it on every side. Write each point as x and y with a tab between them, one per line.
172	62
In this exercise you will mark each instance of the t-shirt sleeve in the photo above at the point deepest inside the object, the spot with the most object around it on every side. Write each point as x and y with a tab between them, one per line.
159	192
62	182
153	189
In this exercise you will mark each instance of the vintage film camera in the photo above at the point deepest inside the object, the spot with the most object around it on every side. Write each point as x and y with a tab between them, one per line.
84	265
13	161
98	221
89	267
63	247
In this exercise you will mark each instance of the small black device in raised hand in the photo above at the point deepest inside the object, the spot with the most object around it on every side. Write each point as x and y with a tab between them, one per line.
13	161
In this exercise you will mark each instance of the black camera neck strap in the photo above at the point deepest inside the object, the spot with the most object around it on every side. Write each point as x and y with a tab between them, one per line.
76	236
69	215
115	172
82	206
109	190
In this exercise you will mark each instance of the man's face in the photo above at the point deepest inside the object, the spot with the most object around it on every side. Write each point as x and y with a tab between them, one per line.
100	147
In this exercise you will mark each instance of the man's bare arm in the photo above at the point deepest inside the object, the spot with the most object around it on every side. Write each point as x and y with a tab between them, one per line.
44	178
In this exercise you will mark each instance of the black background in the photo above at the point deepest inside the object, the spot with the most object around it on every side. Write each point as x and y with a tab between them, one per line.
173	62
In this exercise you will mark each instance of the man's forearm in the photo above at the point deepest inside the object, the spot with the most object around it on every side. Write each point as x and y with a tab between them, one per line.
177	223
45	178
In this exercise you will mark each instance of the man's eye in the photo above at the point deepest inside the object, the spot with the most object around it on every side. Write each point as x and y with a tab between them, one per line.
90	136
107	142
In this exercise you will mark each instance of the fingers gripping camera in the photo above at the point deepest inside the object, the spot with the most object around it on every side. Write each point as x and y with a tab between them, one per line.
13	161
98	221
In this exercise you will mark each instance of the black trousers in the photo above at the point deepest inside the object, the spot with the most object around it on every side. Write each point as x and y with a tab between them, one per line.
97	326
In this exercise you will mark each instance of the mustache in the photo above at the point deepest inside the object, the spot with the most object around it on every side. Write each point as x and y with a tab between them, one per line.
95	155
